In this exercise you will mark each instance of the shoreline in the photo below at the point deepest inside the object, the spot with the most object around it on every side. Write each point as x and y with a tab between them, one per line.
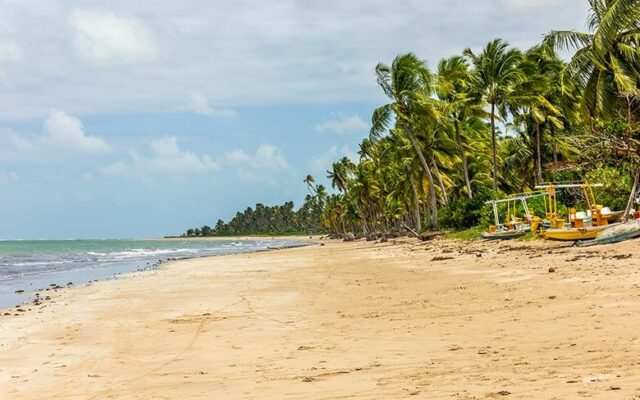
360	319
34	295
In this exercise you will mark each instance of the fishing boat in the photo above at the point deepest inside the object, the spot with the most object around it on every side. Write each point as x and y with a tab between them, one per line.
614	234
581	225
572	234
505	234
515	226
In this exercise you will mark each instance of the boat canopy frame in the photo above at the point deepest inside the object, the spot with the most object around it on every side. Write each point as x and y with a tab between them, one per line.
551	205
522	197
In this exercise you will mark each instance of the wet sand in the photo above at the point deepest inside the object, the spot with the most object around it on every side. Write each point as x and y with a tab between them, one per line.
434	320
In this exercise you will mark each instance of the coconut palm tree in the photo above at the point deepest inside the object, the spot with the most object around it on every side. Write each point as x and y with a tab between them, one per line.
495	76
454	89
531	101
606	64
339	174
407	82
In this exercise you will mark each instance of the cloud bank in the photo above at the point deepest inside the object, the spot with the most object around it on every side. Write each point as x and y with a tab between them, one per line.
143	56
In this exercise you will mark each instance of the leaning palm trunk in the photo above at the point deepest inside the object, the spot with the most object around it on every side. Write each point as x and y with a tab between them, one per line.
494	147
632	195
554	144
538	156
439	178
463	156
432	190
416	201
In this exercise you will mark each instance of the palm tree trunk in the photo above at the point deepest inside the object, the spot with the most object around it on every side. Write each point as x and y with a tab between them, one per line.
493	147
436	172
432	190
554	144
538	155
632	195
416	201
463	157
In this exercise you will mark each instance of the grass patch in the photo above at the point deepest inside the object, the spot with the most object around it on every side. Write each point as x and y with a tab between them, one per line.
528	237
466	234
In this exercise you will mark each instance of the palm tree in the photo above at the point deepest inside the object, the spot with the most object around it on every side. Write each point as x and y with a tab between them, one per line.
606	64
407	82
495	75
340	172
454	89
531	101
310	180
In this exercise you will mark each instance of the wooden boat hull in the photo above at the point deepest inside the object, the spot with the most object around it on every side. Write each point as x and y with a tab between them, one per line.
619	233
613	239
573	234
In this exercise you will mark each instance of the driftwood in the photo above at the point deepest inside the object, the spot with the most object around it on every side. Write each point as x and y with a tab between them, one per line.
430	235
411	230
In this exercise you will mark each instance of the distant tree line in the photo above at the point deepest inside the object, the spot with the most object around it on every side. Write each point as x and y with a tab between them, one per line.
199	232
273	220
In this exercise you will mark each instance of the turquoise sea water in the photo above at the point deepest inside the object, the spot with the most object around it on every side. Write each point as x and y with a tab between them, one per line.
29	265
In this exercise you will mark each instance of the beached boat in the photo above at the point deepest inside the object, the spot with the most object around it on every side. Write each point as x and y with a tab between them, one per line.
505	234
580	225
515	226
615	233
573	234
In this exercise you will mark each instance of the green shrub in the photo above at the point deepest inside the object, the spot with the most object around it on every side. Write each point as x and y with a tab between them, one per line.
617	185
464	213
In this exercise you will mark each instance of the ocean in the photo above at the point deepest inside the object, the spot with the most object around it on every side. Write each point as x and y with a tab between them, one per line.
29	265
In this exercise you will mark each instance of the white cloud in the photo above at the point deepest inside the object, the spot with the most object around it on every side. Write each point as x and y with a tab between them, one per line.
322	162
63	136
8	176
66	132
20	144
340	123
518	5
166	159
267	159
200	105
10	51
102	36
239	53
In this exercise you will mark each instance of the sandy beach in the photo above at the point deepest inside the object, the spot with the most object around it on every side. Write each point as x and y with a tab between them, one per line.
434	320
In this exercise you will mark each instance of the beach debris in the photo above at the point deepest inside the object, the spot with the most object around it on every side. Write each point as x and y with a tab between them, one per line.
305	347
552	269
69	283
504	393
430	235
307	379
442	258
614	387
19	291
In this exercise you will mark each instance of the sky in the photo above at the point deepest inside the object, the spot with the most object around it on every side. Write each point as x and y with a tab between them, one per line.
127	119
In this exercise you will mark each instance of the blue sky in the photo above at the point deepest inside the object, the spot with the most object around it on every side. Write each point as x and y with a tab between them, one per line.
139	119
